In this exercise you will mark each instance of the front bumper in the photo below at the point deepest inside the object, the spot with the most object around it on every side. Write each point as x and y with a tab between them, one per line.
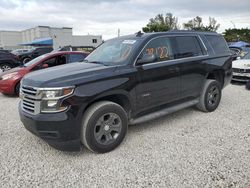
7	86
60	130
241	77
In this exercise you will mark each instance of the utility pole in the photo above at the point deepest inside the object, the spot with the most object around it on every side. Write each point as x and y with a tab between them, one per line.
118	32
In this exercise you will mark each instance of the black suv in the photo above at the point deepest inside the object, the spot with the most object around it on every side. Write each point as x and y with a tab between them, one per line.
33	53
127	80
8	61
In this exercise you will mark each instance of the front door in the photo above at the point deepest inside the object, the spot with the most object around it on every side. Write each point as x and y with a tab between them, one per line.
159	80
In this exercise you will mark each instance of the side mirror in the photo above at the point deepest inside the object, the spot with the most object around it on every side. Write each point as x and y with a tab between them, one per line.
146	59
44	66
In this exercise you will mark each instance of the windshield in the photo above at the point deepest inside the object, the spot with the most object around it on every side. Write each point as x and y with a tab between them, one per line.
34	61
113	52
247	56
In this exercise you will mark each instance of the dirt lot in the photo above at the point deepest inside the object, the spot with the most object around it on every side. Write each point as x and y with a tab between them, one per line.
185	149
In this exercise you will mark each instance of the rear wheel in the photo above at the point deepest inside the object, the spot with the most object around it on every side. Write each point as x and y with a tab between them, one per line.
210	96
104	126
5	67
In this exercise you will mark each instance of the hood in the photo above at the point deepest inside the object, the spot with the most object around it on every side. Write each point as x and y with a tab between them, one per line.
17	69
241	64
67	75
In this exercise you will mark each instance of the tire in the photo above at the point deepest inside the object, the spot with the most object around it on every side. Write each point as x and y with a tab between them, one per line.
26	60
17	89
248	85
5	67
104	126
210	96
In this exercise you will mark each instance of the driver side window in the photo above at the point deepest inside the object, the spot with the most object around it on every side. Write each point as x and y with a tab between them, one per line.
51	62
161	48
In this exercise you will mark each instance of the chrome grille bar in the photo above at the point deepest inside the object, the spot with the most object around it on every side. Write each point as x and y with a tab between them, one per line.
30	100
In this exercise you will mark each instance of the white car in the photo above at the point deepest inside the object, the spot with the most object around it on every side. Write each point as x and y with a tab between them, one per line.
241	69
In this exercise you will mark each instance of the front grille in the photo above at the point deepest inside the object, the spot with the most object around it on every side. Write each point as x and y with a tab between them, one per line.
30	102
29	90
241	70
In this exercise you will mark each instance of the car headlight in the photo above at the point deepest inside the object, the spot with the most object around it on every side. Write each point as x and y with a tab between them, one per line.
9	76
52	99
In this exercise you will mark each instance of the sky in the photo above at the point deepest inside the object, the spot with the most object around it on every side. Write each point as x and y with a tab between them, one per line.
104	17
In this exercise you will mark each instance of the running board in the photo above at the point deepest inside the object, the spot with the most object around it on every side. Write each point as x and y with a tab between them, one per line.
163	112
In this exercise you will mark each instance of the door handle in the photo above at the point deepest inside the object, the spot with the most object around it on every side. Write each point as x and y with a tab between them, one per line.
173	70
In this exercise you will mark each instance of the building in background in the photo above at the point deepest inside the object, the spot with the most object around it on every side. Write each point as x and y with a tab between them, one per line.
11	40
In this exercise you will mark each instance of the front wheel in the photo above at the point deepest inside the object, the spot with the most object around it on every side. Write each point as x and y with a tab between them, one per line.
17	89
26	60
5	67
210	96
104	126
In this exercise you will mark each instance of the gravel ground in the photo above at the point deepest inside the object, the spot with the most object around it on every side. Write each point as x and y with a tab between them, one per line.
185	149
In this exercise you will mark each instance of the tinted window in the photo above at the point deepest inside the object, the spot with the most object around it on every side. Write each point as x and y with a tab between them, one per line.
76	58
161	48
188	46
43	50
218	44
51	62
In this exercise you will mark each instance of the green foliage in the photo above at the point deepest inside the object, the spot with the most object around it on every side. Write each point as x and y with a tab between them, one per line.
233	35
197	25
161	23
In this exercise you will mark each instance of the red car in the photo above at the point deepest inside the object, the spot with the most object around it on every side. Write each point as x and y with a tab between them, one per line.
10	80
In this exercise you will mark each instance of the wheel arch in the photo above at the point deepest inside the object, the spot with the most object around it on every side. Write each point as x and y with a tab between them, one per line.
217	75
121	98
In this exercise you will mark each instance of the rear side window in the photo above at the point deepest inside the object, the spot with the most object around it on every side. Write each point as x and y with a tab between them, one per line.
161	48
76	58
188	46
218	44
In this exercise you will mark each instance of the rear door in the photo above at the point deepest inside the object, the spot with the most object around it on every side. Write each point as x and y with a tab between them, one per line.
159	81
192	56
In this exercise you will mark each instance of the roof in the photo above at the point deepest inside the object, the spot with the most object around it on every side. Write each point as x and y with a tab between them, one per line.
146	35
240	44
39	42
66	52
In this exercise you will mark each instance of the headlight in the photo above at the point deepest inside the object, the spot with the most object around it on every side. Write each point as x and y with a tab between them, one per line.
9	76
52	99
56	92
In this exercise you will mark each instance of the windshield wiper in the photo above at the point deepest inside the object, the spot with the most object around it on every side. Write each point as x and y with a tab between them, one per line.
95	62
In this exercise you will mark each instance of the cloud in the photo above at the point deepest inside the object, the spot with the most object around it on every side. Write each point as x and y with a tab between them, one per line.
106	16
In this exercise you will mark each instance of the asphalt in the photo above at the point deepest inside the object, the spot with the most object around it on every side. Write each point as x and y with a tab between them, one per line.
185	149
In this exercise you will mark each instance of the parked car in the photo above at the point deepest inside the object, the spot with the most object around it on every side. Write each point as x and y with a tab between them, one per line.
2	50
19	51
126	80
241	69
88	49
10	80
8	61
33	53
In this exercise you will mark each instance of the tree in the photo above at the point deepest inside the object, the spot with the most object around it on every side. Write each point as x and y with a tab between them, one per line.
213	25
194	24
161	23
197	25
233	35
